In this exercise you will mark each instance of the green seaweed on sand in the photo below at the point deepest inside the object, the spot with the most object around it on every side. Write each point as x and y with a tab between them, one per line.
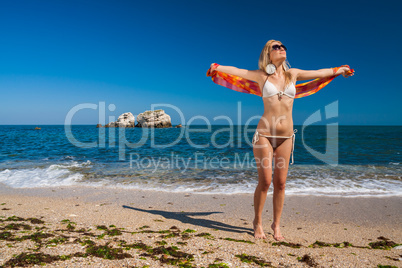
286	244
138	245
393	259
161	243
189	231
86	242
144	232
320	244
308	260
219	265
67	221
171	234
35	221
114	232
143	227
56	241
383	244
17	226
101	236
249	259
102	227
170	255
109	232
14	218
6	236
106	252
36	237
185	236
386	266
237	240
28	259
70	225
205	235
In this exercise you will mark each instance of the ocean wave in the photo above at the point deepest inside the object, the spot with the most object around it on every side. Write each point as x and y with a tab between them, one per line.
53	175
322	180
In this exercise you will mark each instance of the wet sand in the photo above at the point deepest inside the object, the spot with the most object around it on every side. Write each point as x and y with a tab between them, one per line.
139	228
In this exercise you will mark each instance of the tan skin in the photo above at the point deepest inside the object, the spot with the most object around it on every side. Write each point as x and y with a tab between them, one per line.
275	121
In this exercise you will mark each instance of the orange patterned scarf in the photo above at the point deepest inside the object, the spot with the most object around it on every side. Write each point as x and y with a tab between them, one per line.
247	86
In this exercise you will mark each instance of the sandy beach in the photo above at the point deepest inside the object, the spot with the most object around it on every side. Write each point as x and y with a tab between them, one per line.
106	227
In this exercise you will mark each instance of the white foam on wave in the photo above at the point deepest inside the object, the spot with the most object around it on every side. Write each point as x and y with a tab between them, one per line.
54	175
344	187
214	187
331	187
345	181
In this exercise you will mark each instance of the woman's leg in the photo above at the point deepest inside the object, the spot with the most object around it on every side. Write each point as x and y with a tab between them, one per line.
263	153
281	165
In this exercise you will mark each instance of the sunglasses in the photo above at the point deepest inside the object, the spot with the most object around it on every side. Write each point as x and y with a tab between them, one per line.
278	47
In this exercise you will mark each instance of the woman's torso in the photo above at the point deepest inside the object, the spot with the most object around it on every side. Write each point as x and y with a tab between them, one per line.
277	117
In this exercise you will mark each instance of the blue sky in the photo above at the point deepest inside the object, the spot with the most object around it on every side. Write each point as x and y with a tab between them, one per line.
55	55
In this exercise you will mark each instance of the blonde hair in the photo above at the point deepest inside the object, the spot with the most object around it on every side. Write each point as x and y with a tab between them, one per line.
264	60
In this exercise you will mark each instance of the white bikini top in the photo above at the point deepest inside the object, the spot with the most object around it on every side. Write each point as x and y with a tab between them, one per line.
270	90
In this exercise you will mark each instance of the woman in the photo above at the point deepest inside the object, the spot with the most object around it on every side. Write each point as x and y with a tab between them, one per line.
273	141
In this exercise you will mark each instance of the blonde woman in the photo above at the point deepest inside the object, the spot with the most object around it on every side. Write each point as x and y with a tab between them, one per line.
273	141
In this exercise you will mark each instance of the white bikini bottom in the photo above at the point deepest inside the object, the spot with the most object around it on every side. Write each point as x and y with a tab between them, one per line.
273	140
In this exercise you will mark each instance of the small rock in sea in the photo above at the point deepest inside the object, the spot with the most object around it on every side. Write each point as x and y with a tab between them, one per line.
37	128
179	125
99	125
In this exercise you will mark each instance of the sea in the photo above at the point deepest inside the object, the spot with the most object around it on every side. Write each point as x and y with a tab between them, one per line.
347	161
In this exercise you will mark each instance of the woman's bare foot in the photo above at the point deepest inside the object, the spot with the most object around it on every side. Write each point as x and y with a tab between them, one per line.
277	233
258	231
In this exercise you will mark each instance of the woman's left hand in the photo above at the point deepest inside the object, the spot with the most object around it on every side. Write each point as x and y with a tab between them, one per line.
345	71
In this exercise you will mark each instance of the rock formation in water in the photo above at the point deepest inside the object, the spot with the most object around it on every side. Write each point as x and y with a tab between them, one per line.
124	120
154	119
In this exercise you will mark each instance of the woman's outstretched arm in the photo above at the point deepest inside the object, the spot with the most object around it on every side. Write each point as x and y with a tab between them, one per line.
253	75
322	73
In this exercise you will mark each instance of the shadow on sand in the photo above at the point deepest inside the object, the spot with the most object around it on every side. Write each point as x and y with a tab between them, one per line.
185	217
